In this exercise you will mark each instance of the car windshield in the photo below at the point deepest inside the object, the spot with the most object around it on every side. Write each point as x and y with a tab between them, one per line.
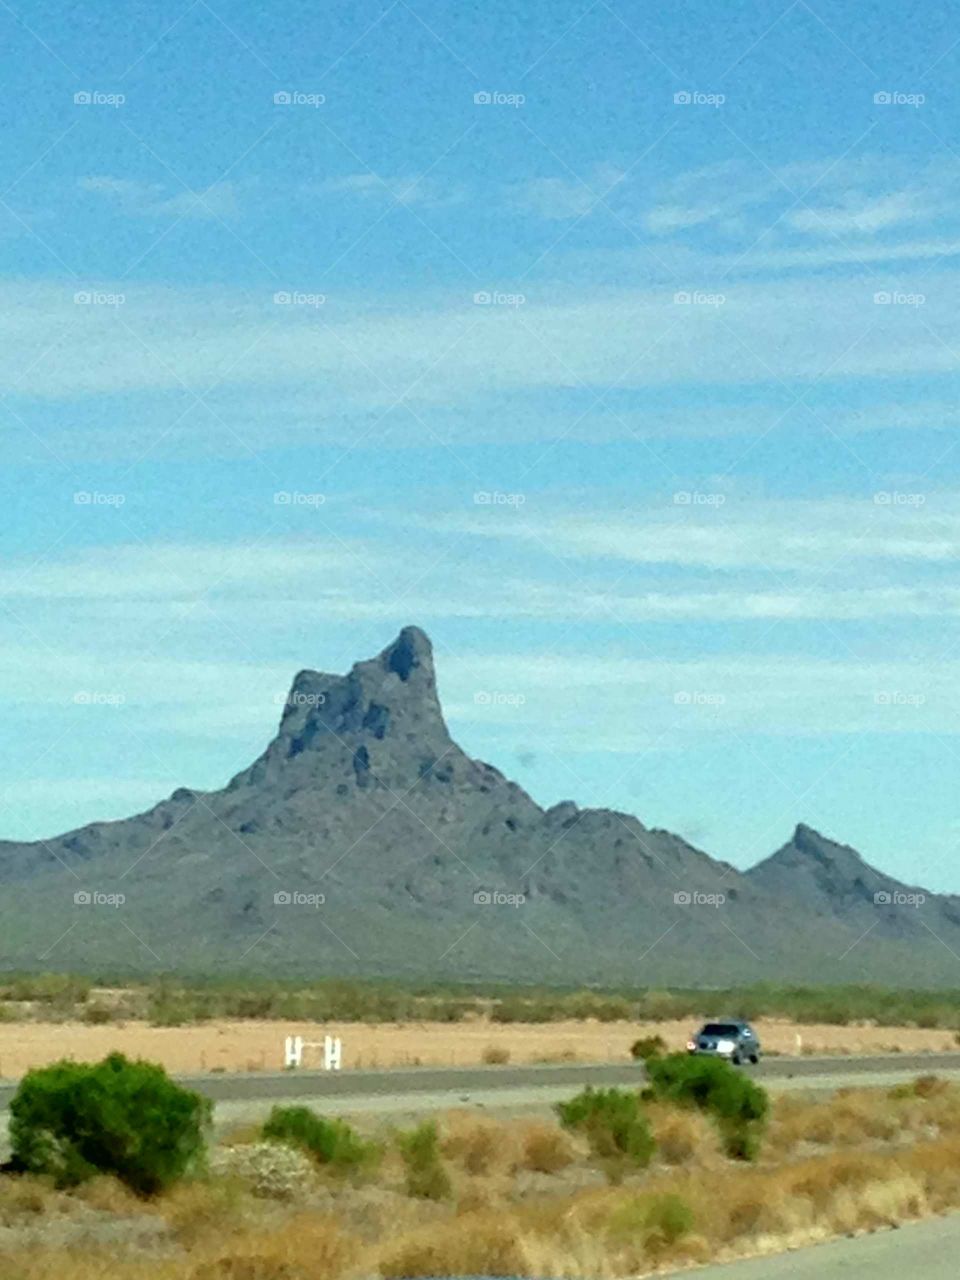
720	1029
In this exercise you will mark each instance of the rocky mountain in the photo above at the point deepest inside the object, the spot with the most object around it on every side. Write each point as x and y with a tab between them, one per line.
365	841
832	881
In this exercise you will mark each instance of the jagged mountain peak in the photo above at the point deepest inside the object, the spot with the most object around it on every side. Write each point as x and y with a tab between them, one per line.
384	715
808	853
809	840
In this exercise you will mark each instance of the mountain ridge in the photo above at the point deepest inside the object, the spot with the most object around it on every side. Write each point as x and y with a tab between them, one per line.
363	799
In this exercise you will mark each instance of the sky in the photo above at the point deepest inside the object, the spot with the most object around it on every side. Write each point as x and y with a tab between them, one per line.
615	345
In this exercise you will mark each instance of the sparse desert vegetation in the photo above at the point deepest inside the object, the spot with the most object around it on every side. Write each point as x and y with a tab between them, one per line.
624	1185
170	1001
207	1026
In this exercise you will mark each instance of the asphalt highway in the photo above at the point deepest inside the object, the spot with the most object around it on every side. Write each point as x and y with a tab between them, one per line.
364	1088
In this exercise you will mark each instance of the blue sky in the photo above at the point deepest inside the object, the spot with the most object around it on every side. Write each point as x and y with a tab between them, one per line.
616	348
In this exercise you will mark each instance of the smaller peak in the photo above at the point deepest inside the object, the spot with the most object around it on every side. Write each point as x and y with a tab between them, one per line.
562	812
804	834
808	839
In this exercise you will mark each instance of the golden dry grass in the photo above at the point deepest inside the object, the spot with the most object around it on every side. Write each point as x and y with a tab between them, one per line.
896	1157
478	1144
544	1148
684	1136
243	1045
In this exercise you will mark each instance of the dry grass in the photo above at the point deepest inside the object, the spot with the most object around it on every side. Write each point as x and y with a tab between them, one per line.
255	1044
25	1198
478	1145
203	1209
894	1155
307	1248
927	1108
545	1148
685	1136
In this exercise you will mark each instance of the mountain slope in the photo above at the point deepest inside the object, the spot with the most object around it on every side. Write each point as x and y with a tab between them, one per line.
831	880
432	864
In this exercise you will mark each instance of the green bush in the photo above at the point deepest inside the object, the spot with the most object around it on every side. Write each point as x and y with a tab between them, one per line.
737	1104
648	1047
60	991
613	1122
74	1120
427	1177
332	1143
97	1014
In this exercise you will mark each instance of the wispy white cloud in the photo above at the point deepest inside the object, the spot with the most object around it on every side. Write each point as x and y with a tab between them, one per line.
863	215
702	531
154	200
409	189
560	199
361	355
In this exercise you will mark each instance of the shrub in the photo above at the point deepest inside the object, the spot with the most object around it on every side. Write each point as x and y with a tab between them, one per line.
545	1149
495	1055
332	1143
97	1014
930	1086
477	1143
73	1120
737	1104
427	1179
661	1220
613	1122
60	990
167	1008
270	1170
648	1047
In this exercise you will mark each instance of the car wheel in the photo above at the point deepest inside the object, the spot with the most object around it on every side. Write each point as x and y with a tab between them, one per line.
755	1059
736	1059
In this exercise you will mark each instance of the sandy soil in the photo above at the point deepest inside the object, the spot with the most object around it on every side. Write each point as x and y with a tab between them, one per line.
258	1046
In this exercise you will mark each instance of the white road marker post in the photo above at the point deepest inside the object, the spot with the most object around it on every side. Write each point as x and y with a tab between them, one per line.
332	1053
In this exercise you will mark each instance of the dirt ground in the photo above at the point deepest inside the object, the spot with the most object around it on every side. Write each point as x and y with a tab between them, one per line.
258	1045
